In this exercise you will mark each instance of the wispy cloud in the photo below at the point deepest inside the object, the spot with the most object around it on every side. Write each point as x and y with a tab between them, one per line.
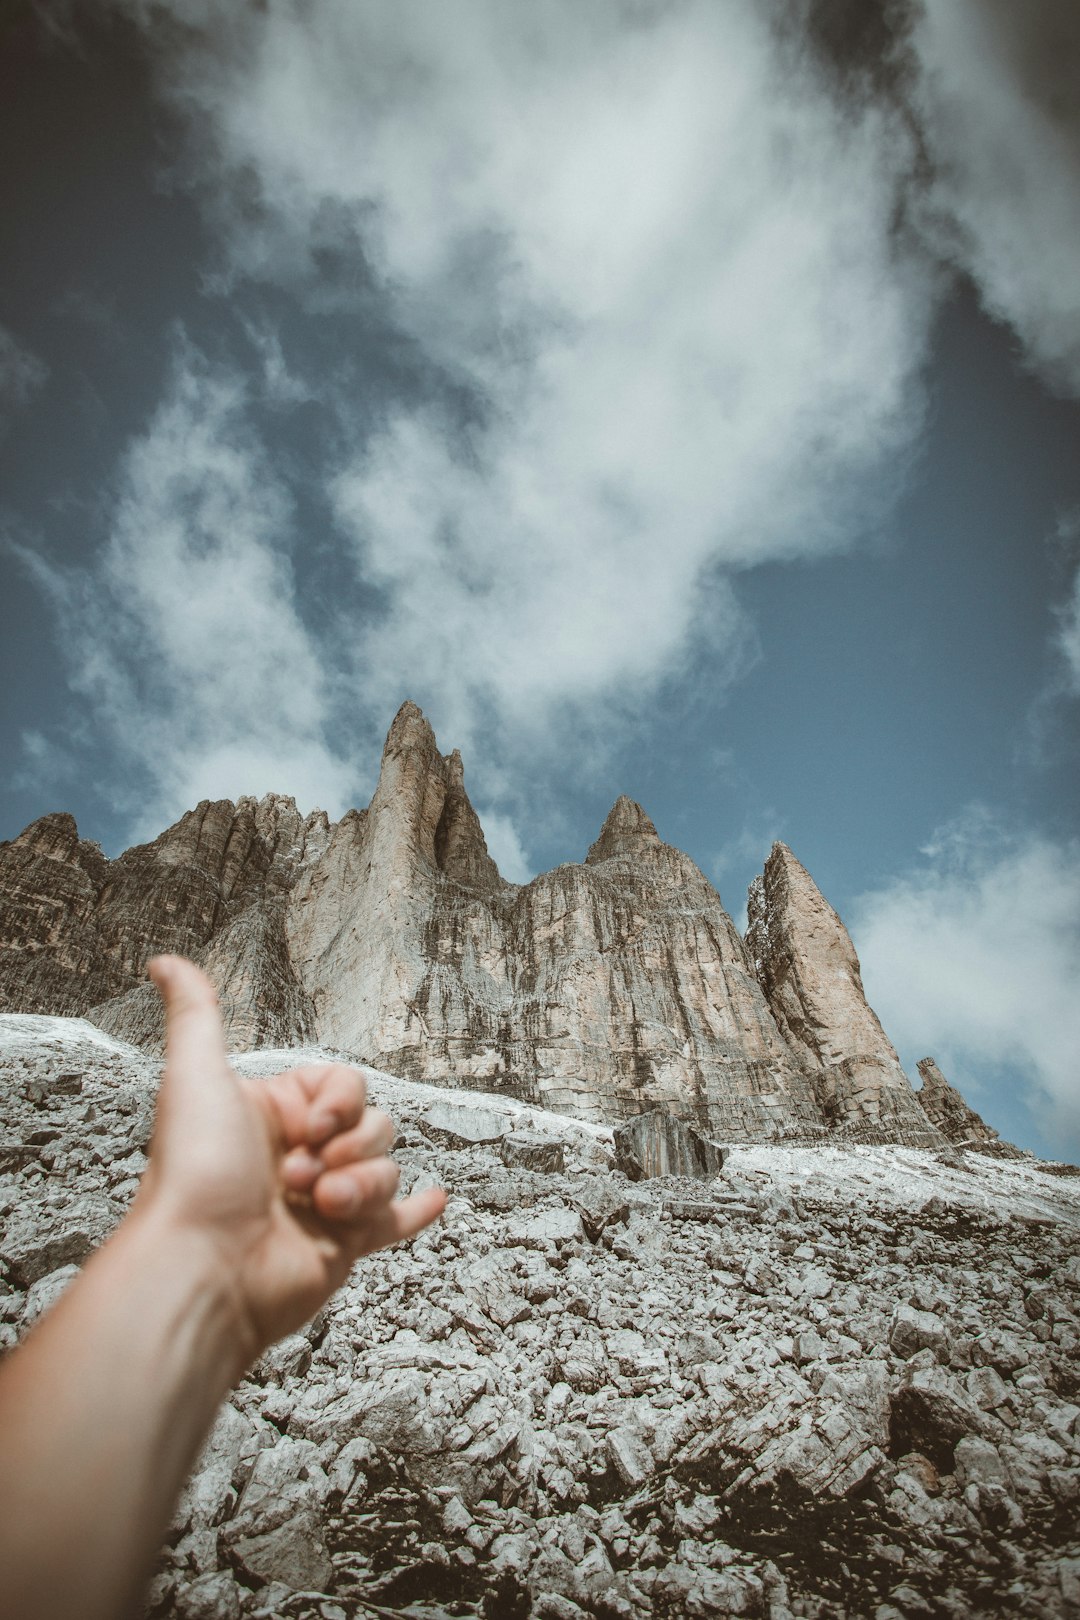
1066	638
974	956
185	636
994	92
653	263
22	373
644	260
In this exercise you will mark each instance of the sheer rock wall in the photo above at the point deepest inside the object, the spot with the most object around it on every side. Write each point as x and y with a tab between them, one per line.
808	969
960	1125
76	929
603	989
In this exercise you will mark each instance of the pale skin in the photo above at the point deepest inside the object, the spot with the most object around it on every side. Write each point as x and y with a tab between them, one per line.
259	1198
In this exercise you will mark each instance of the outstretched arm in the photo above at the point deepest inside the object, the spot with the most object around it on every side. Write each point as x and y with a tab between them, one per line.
259	1197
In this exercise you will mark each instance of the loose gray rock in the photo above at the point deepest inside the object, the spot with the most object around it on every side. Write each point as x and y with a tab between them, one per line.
657	1144
528	1150
561	1396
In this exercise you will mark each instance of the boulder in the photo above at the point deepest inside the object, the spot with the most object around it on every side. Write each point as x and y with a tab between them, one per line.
657	1144
930	1412
531	1150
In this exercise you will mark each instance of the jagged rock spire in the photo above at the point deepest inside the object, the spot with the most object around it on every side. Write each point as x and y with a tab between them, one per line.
421	813
808	969
625	831
945	1107
604	988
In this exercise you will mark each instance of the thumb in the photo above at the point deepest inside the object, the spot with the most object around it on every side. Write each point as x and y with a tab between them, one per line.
194	1040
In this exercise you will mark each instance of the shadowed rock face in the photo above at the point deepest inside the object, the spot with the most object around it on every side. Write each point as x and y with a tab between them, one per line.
604	988
76	929
960	1125
808	969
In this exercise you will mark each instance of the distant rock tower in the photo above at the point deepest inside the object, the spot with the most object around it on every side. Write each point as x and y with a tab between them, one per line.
962	1126
807	966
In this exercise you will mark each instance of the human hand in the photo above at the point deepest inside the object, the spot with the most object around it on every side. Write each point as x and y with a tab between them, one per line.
285	1181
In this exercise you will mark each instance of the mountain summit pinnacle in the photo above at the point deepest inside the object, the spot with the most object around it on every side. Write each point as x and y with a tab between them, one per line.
626	829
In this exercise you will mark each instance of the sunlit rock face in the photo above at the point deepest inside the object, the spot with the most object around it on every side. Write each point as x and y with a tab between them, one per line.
808	969
602	989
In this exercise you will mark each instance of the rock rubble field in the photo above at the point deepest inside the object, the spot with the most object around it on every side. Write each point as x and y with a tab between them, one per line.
828	1381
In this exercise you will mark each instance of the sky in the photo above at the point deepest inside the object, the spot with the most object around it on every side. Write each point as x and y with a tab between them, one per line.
673	397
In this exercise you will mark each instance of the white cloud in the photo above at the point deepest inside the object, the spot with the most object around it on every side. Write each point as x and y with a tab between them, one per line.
505	846
186	637
657	258
995	95
22	373
975	958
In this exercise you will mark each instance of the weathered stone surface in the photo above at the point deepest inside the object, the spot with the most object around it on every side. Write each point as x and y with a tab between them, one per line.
287	1546
570	1402
914	1330
604	989
962	1126
807	966
931	1411
600	988
464	1125
76	929
528	1150
655	1144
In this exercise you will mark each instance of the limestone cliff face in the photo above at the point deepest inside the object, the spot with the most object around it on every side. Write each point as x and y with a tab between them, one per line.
605	988
808	969
945	1108
601	988
76	929
51	958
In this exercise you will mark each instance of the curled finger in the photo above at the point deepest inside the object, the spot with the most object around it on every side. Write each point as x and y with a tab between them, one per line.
400	1219
356	1191
336	1096
369	1140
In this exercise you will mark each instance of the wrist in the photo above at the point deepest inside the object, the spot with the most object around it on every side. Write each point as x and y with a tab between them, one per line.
189	1264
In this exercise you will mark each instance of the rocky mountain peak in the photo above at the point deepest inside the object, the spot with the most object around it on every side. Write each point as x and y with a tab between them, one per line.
626	831
605	988
945	1107
53	837
807	966
410	728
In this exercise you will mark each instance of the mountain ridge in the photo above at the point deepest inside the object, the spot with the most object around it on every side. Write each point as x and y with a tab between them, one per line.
604	988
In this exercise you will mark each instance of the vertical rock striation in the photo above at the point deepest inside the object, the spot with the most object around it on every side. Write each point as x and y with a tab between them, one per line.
946	1109
603	988
76	929
606	988
808	969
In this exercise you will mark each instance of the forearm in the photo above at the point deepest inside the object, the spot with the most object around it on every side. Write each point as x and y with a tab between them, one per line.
102	1413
